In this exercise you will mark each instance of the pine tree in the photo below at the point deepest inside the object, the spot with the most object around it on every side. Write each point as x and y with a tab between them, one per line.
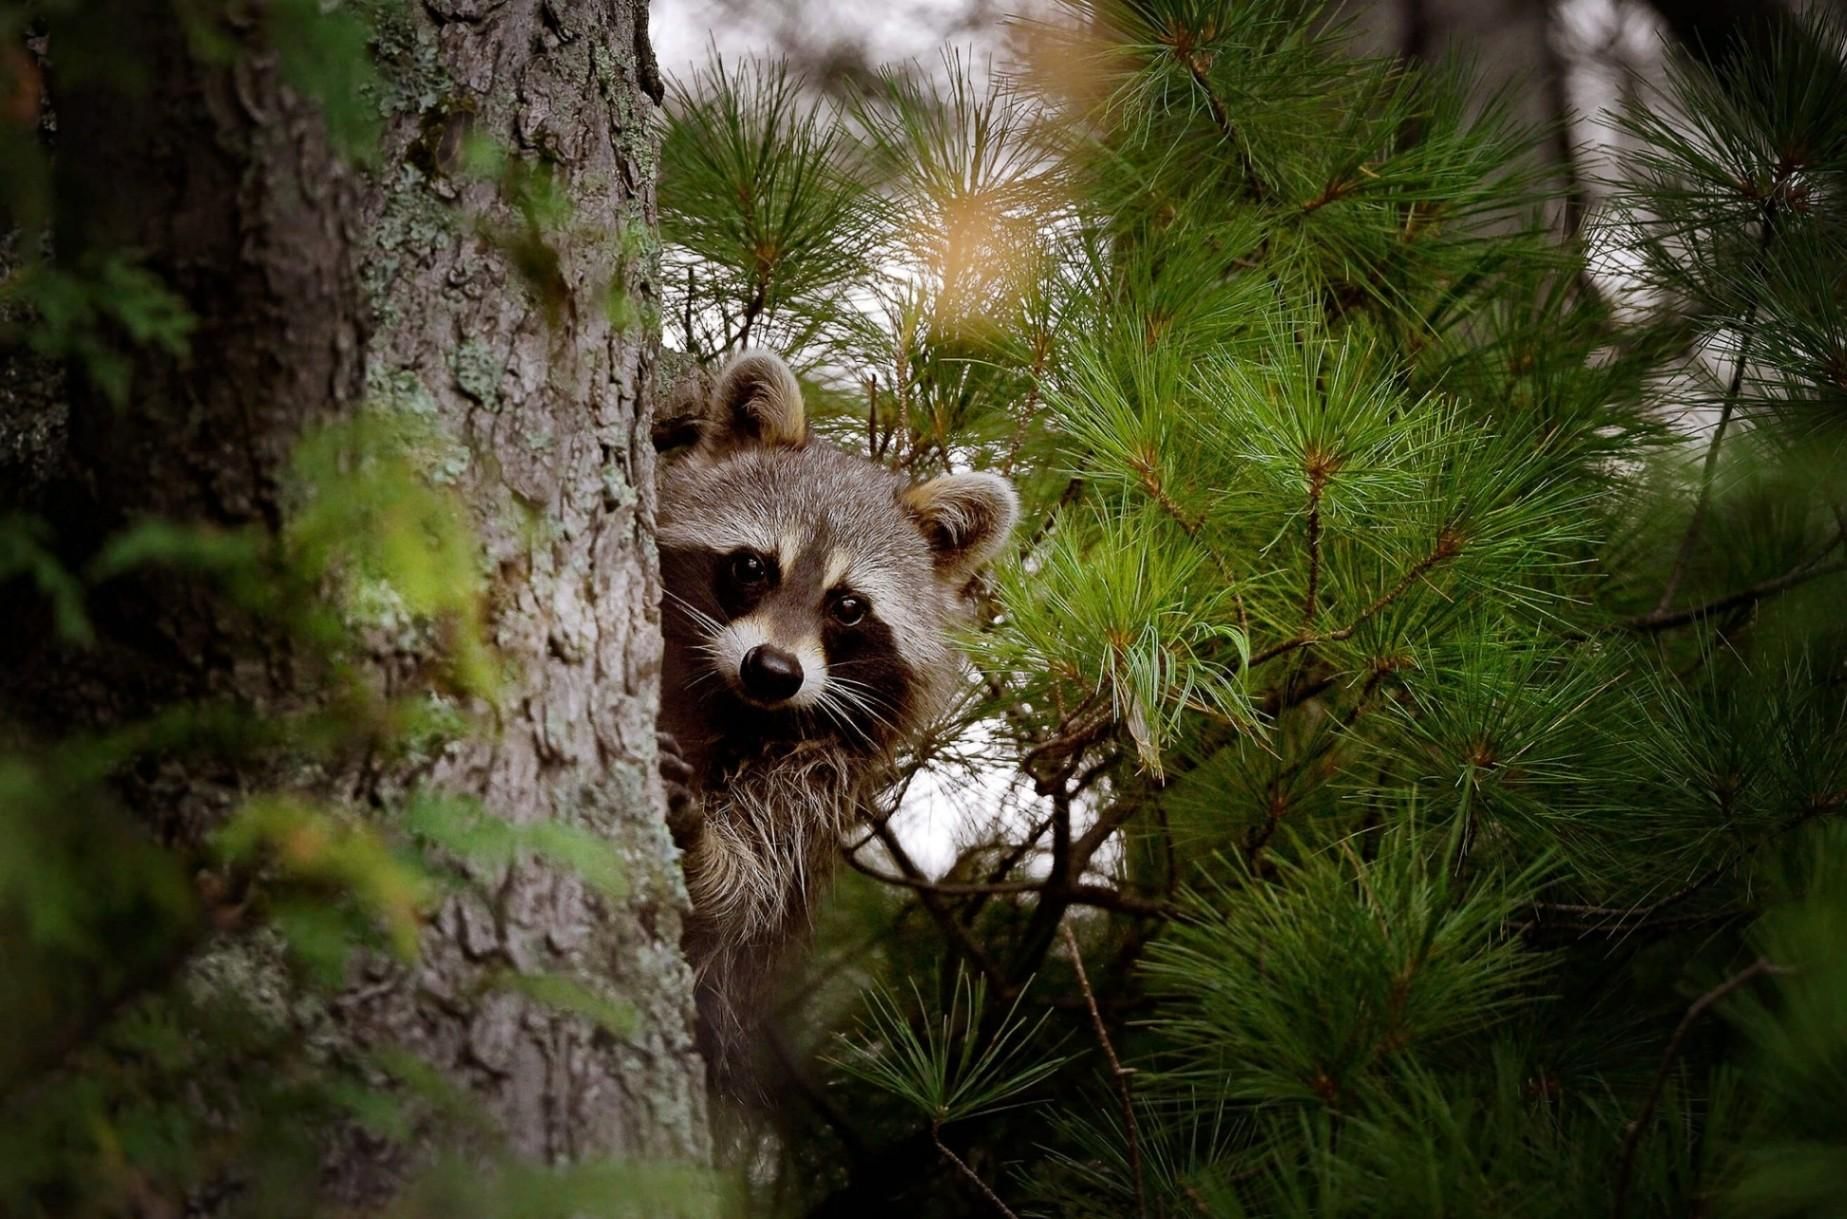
1421	672
333	874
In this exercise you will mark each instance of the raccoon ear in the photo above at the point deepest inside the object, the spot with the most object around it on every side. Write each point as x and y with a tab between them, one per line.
755	401
964	517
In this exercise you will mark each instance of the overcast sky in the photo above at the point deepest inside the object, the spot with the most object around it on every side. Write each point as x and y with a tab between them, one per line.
885	30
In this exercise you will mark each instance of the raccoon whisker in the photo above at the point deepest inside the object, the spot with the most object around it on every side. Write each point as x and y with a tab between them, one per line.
840	712
866	696
864	660
850	682
849	700
869	701
827	703
700	617
852	703
704	622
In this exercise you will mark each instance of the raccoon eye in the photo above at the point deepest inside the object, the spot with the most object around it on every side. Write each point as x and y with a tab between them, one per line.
748	568
849	610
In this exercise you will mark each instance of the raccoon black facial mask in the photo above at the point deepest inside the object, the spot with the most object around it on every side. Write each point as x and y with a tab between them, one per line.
809	597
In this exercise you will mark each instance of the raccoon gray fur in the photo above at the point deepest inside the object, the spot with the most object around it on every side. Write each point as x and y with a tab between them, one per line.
808	600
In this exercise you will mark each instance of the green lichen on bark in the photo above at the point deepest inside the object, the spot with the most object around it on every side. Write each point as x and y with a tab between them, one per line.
410	68
478	371
411	227
443	459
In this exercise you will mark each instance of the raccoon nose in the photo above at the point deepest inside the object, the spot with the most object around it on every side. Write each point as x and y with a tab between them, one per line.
770	674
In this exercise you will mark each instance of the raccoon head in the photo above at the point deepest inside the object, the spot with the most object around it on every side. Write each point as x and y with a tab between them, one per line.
810	593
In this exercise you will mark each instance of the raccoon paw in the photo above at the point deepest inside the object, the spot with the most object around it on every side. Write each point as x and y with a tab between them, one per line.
685	817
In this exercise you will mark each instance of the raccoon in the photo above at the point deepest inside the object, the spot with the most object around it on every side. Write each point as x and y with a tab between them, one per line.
808	599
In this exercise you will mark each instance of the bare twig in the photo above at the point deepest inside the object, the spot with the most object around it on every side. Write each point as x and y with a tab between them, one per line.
1689	541
1042	347
1662	620
1449	544
1121	1073
1633	1137
1073	488
1310	602
1101	896
872	416
1254	188
936	1136
1562	151
944	916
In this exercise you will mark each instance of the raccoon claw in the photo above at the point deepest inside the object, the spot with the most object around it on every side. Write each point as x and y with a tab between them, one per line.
685	818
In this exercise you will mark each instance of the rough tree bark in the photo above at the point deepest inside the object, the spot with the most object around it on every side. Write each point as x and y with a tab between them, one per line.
321	290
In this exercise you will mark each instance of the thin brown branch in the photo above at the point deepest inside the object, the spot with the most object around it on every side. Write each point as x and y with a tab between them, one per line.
1017	852
1042	347
1254	188
1051	763
1101	896
1573	200
1156	487
901	386
944	916
1689	541
1633	1137
1660	620
872	416
1449	544
1565	929
1627	914
1336	190
1310	603
1193	524
1073	488
753	309
1120	1073
936	1136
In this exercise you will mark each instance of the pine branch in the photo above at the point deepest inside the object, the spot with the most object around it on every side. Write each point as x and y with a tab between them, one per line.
1744	597
1309	606
1042	348
1254	188
1633	1137
1100	896
942	914
1449	544
1121	1074
936	1136
872	416
1689	541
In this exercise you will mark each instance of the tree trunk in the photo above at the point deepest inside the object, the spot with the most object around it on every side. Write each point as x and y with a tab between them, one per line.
410	287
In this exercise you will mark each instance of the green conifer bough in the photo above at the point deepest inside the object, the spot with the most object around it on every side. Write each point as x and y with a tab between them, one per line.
1421	674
